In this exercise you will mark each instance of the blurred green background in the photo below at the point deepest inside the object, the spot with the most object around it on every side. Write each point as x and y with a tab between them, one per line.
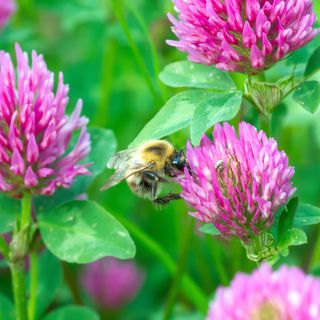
110	53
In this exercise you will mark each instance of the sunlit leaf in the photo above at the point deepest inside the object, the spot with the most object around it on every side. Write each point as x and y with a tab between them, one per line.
82	232
175	115
306	215
190	74
216	108
308	95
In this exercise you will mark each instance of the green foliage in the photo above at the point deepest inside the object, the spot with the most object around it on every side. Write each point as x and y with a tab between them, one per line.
175	115
189	74
217	108
313	65
287	235
6	309
72	313
49	281
199	109
82	232
306	215
308	95
9	210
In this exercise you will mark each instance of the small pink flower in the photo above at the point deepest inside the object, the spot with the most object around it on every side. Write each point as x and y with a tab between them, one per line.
7	8
286	294
242	35
35	132
112	283
237	183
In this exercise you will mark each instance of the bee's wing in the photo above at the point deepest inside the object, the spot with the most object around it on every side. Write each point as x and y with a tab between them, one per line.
120	175
120	159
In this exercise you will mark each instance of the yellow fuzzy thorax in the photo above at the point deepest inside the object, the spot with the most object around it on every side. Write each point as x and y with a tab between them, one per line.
157	151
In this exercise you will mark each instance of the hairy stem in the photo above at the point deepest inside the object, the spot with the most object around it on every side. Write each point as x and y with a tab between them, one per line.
32	305
19	247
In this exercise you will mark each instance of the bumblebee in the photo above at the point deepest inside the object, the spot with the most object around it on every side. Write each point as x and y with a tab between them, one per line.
146	167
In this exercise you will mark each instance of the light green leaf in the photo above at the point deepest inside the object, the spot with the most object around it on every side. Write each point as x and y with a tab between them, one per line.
50	279
209	228
293	237
216	108
175	115
82	232
313	65
72	313
9	210
103	145
190	74
306	215
6	309
308	95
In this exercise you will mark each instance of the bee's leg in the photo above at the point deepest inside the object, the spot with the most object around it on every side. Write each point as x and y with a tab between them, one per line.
166	199
152	180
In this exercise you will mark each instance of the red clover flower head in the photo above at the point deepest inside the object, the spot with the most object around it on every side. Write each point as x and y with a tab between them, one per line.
287	293
242	35
7	8
111	282
237	183
35	132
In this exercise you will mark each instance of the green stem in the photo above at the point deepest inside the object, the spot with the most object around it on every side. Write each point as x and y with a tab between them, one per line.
118	12
19	247
19	290
32	305
265	123
188	286
174	290
25	211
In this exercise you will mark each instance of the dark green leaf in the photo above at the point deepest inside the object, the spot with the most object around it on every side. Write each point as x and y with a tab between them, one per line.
217	107
306	215
286	220
175	115
313	65
82	232
6	309
209	229
308	95
9	210
50	279
103	145
189	74
72	313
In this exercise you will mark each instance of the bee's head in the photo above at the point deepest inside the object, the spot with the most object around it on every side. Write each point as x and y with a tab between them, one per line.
178	160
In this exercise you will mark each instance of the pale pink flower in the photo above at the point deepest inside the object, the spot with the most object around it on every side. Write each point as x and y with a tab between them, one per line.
237	183
286	294
111	282
7	8
242	35
35	132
